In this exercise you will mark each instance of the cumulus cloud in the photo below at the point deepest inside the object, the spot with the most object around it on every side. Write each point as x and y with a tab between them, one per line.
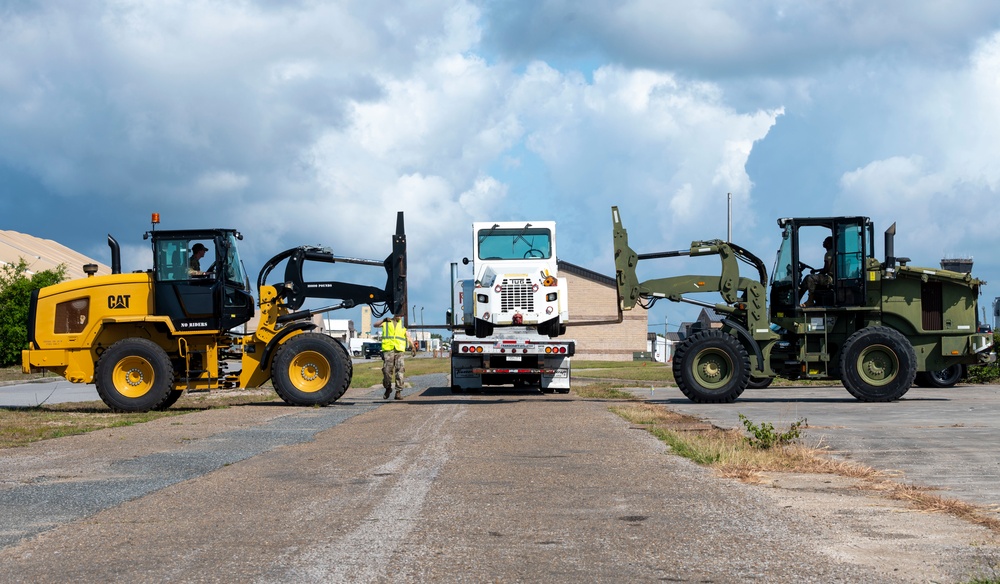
942	186
315	122
735	38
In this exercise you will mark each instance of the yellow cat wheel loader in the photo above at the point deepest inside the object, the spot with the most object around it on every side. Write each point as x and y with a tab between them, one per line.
877	326
147	337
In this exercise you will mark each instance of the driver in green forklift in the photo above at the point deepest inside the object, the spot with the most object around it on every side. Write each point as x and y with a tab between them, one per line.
821	278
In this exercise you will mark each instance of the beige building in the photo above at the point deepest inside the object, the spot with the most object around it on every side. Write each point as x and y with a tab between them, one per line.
593	297
44	254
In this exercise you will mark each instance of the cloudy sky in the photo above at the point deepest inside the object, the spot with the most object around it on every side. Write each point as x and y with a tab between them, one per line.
312	122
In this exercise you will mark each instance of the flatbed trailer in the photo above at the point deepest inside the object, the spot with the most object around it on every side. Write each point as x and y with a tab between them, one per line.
517	356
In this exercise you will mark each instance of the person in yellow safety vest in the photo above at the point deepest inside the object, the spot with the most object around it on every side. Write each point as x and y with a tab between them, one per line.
395	340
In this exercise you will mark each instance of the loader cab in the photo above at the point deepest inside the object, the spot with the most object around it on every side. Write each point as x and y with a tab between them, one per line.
199	280
802	253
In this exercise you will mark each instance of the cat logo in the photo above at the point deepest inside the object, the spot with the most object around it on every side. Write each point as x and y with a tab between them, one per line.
118	302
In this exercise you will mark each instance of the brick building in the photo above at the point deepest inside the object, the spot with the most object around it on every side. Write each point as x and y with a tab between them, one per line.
594	297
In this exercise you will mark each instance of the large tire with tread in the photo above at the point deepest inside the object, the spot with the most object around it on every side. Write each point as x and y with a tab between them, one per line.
311	369
135	375
759	382
711	367
171	399
878	364
946	377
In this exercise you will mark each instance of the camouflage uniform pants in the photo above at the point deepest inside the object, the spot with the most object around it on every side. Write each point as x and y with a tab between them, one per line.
392	367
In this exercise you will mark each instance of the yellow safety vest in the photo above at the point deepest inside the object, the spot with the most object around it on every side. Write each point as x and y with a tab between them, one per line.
393	336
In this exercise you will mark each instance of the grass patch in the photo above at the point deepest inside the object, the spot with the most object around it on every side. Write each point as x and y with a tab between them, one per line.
369	373
602	391
21	426
734	454
14	374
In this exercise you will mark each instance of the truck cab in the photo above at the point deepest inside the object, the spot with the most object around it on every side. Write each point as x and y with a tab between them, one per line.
515	280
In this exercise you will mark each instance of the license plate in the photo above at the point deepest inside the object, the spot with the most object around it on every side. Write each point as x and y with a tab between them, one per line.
513	358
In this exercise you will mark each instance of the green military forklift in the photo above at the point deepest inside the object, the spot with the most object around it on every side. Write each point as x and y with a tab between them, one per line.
876	326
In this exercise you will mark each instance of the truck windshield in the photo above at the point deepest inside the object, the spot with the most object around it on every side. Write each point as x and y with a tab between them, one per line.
514	243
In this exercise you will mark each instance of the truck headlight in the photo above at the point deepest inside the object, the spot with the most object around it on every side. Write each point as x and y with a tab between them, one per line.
551	296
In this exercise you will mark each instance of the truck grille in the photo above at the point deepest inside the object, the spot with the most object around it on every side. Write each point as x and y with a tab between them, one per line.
514	296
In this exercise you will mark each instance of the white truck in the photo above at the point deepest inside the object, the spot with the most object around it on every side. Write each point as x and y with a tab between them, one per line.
511	311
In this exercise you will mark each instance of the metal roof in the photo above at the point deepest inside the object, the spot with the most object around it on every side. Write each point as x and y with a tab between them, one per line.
44	254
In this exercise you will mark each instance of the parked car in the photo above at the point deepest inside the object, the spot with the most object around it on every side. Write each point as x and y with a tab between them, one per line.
371	350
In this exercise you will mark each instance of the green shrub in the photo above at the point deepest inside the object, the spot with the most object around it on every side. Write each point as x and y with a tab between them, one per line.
988	373
764	436
15	295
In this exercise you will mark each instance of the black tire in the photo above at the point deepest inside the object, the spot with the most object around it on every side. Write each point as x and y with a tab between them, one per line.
483	329
171	399
759	382
946	377
551	328
878	364
711	367
134	375
311	369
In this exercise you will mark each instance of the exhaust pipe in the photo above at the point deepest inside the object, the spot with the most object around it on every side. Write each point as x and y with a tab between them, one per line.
890	251
116	255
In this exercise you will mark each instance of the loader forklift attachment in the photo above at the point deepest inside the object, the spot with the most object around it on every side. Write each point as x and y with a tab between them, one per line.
294	290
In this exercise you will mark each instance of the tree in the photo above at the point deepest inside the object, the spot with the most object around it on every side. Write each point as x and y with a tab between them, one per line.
15	296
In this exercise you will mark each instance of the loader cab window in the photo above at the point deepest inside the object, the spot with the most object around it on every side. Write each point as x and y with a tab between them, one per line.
514	243
782	272
182	259
233	272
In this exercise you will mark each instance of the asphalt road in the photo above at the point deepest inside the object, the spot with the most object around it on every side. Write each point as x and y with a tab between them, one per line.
504	486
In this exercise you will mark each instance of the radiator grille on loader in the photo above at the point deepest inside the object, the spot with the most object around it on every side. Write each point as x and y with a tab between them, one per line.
515	296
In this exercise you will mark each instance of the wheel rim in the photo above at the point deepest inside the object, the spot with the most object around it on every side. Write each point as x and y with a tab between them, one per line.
134	376
309	371
878	365
713	369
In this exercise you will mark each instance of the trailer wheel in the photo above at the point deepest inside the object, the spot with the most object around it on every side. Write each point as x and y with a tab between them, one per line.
711	367
311	369
878	364
946	377
134	375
